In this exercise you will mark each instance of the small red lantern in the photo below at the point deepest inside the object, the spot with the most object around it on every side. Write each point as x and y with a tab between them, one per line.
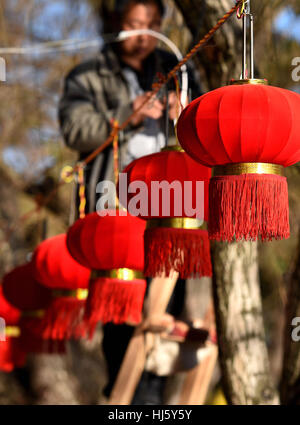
22	291
248	132
175	239
55	268
112	246
11	354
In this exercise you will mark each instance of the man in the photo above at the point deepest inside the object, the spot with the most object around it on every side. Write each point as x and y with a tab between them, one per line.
112	86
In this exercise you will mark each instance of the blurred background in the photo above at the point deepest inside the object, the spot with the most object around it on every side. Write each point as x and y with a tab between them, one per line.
41	40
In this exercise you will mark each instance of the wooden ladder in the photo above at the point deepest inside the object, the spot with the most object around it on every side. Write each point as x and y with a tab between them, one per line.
196	384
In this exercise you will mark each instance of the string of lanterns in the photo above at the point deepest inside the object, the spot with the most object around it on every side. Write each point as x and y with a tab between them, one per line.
247	133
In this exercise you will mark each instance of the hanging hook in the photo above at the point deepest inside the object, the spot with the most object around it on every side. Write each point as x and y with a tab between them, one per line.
244	12
251	46
242	9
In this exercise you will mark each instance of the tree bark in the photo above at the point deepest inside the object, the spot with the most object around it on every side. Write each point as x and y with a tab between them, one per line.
220	60
51	381
240	328
290	381
243	351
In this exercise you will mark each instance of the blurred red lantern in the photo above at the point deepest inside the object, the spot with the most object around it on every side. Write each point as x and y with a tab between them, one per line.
55	268
22	291
175	204
112	246
248	133
11	354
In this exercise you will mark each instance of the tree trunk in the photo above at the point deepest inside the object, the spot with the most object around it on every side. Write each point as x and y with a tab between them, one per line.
51	381
243	351
241	336
290	381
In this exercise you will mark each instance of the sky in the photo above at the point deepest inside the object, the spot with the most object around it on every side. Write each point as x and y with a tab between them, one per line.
57	11
47	25
288	23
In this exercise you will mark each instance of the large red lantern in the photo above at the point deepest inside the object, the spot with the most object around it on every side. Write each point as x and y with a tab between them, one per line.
55	268
112	246
22	291
11	354
248	132
175	205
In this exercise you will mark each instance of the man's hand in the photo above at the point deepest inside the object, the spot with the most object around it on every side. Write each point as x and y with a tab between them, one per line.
152	109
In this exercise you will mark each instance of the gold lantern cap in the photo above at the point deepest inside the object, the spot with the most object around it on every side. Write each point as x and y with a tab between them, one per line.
253	81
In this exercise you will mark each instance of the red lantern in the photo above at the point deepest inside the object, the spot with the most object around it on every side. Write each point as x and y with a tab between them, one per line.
175	239
54	268
248	133
11	354
23	292
112	246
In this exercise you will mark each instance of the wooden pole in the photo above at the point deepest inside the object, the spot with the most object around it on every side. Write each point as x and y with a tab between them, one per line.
160	292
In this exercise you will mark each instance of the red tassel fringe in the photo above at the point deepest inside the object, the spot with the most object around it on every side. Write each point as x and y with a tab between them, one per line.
63	319
11	356
114	300
186	251
248	206
30	340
